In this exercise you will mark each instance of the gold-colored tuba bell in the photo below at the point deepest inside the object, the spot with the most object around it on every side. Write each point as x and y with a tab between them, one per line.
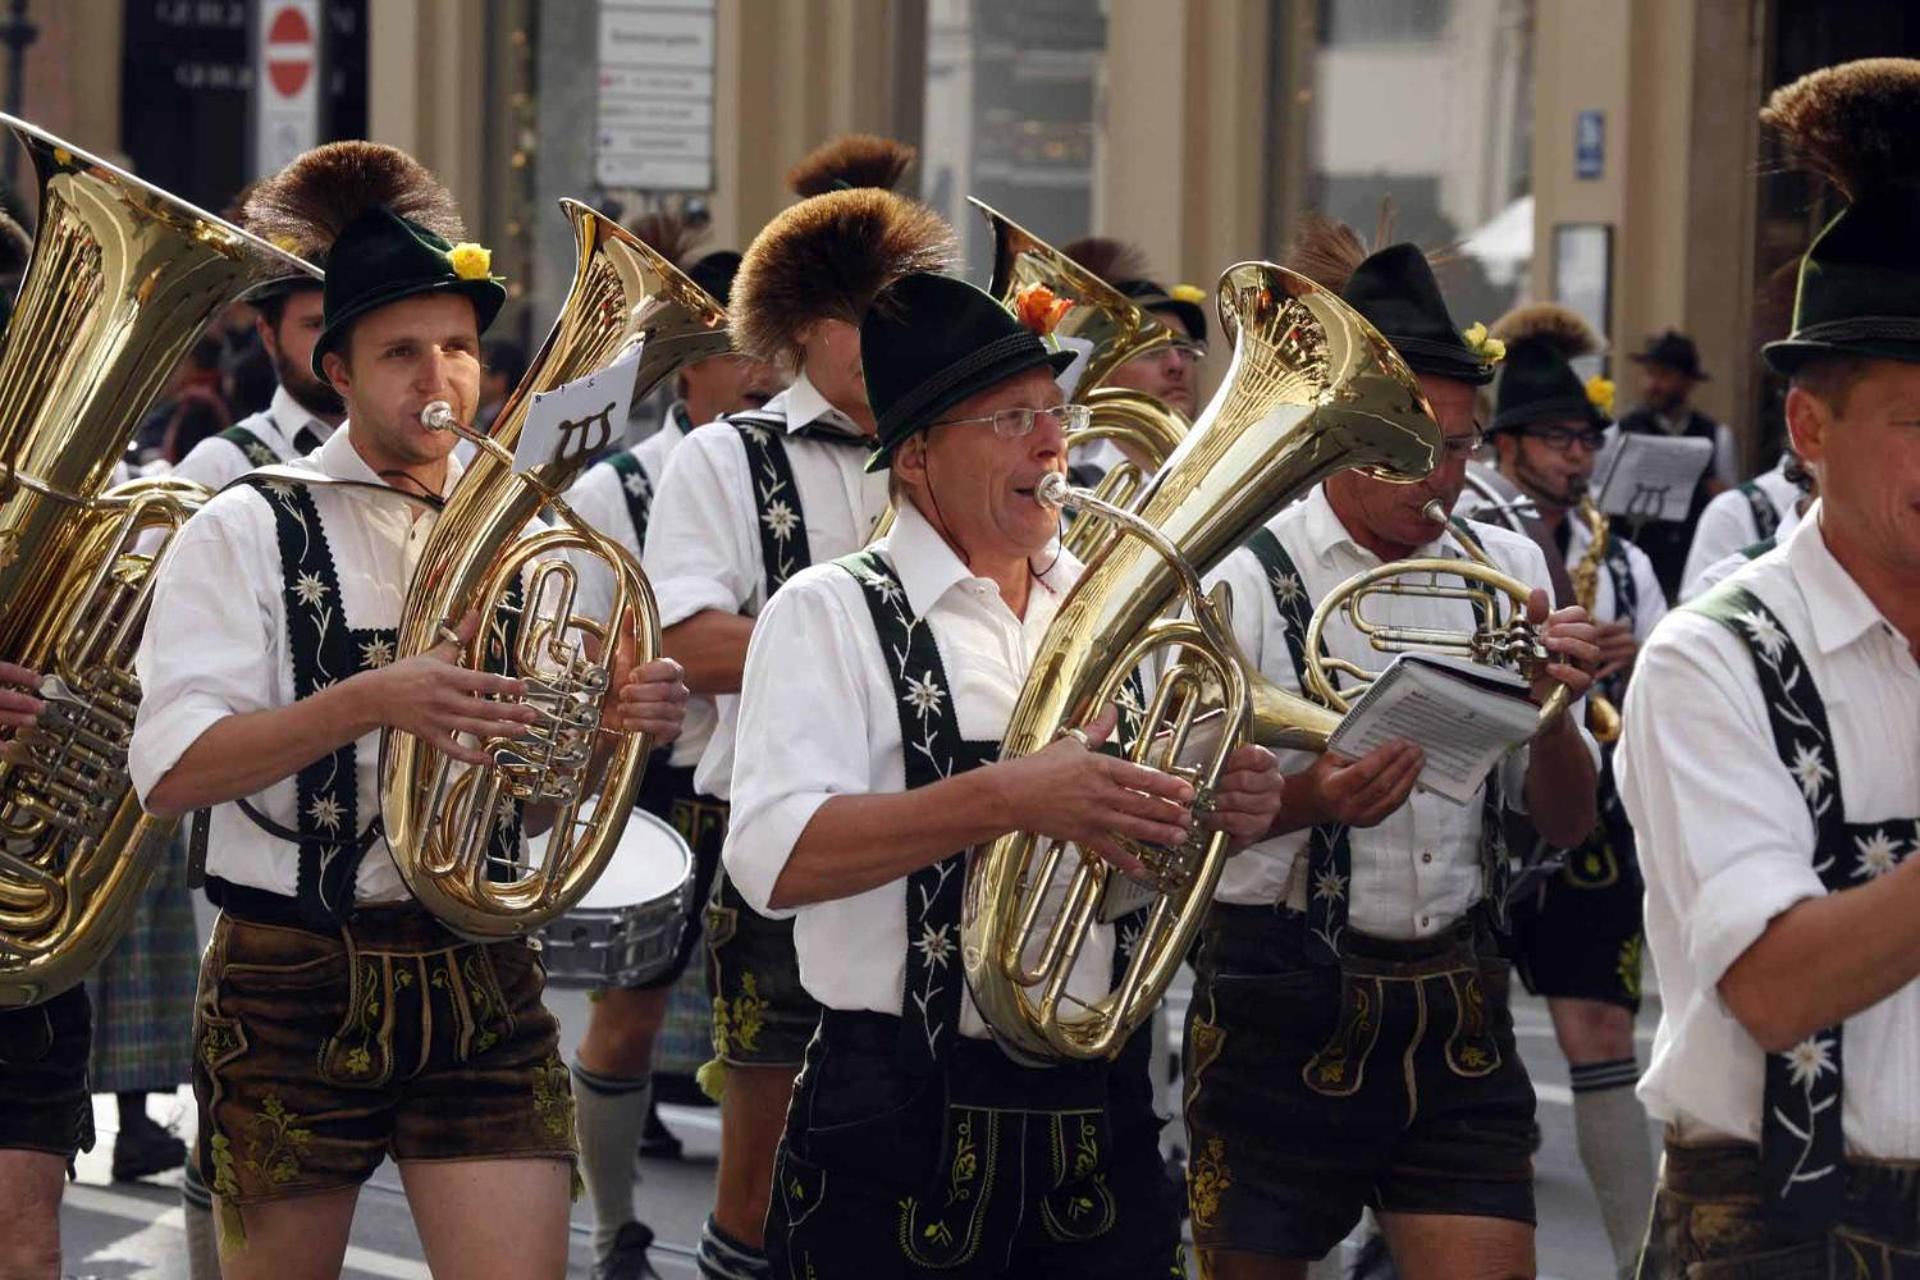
123	277
1312	389
440	814
1116	330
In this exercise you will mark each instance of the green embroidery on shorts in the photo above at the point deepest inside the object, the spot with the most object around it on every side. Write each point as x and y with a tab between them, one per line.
966	1164
226	1182
738	1025
1086	1151
403	977
480	1000
1629	968
362	1019
275	1142
552	1097
1207	1180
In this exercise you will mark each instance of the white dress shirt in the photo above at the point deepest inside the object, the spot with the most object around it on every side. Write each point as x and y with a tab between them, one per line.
1650	602
1726	528
830	726
1417	872
215	645
703	542
599	498
1726	842
217	462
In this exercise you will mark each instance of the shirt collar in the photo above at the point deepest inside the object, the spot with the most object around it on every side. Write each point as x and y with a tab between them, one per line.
928	567
1840	611
673	423
1327	533
289	415
803	404
339	459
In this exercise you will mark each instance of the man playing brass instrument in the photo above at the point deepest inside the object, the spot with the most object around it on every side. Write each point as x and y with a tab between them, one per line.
337	1022
1349	1043
1577	932
46	1111
1771	766
913	1144
746	503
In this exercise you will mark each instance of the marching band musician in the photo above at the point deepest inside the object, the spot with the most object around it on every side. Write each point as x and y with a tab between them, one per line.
1349	1042
614	1063
1771	765
46	1109
338	1022
746	503
913	1144
1577	933
1170	374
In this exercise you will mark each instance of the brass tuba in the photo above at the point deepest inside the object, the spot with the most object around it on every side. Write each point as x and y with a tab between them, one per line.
122	279
440	814
1118	330
1312	389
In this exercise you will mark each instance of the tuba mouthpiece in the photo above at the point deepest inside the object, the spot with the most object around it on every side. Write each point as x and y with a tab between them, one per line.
1432	511
438	416
1053	490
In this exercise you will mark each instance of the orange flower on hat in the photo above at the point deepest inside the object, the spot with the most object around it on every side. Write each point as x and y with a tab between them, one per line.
1037	308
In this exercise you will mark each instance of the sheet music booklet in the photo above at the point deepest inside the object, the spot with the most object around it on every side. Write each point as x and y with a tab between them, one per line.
1646	477
1465	716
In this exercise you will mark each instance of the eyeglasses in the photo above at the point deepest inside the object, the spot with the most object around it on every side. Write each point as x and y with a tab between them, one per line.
1457	448
1561	437
1011	424
1185	348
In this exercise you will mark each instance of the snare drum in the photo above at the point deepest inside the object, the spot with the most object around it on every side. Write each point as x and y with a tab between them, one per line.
626	929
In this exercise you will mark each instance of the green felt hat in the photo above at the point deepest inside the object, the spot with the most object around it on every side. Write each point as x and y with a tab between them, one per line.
383	258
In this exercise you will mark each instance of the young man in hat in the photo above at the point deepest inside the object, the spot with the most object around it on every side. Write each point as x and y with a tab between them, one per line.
914	1145
46	1109
337	1022
1349	1043
1171	373
1669	371
1761	510
614	1062
1577	932
746	503
1769	767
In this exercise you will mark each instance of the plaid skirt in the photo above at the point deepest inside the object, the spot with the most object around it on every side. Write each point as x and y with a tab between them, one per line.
143	991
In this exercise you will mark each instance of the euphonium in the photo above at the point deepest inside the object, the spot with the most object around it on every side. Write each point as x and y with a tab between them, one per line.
1312	389
439	814
122	279
1603	718
1117	331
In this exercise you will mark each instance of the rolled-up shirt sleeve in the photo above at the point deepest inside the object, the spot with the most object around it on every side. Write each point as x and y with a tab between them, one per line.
206	652
697	554
1724	833
803	724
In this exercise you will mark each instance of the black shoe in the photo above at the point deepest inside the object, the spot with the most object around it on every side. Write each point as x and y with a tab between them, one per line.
657	1142
628	1259
143	1152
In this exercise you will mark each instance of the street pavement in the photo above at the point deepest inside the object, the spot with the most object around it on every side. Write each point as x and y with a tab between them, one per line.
132	1231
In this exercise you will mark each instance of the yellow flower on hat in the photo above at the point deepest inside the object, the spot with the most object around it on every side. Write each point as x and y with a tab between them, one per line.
1489	349
1600	394
1187	293
471	261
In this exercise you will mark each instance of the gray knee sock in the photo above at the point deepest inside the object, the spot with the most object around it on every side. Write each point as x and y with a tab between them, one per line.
610	1114
724	1258
1610	1128
203	1238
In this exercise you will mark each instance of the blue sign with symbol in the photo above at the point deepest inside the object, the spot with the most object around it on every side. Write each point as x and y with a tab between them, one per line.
1589	144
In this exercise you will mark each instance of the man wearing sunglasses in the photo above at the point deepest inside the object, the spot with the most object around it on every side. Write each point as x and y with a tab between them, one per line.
876	691
1349	1042
1578	934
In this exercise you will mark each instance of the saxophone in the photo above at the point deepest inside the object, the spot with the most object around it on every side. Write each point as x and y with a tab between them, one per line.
123	277
1603	718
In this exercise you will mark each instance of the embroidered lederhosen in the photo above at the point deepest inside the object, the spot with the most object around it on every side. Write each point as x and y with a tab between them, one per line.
933	750
1337	1069
323	651
1802	1142
1766	517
